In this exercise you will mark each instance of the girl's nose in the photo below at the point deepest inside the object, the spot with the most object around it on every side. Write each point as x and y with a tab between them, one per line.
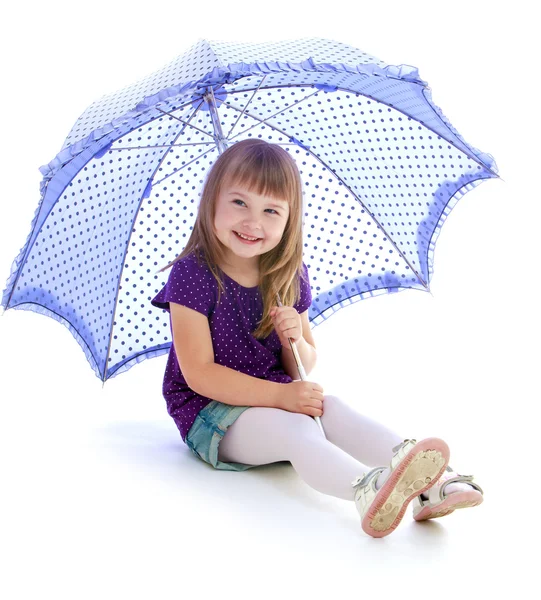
252	225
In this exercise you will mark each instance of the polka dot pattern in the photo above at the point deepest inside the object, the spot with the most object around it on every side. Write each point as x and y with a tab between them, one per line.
231	322
381	166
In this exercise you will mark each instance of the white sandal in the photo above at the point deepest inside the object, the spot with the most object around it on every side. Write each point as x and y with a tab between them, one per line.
440	504
415	467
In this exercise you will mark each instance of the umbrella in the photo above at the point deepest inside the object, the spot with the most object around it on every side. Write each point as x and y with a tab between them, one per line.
381	167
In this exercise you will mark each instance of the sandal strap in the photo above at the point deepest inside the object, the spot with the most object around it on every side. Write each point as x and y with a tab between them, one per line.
402	444
460	479
365	477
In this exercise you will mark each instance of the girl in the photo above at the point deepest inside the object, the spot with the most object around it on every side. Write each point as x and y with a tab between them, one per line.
230	356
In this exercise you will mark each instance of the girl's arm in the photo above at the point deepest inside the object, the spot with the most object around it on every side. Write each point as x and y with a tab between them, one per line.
233	387
195	353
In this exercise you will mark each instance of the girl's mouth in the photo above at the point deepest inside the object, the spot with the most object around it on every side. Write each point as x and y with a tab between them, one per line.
245	240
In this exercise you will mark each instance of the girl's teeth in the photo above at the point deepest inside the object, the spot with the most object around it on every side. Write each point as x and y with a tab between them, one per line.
245	238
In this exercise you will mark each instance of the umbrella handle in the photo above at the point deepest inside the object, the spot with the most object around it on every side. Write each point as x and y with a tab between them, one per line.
302	372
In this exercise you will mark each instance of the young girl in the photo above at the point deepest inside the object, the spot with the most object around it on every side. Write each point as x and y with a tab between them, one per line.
231	383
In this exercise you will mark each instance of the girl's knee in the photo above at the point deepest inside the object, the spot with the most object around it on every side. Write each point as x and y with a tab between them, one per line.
293	425
276	424
306	425
330	401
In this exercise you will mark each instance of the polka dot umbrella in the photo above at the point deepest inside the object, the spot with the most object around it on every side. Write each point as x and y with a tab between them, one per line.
381	166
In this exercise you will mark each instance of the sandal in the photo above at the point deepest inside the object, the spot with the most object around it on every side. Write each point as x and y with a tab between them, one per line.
440	504
415	467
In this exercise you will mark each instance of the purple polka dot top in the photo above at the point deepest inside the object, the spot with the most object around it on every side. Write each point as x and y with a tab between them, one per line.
231	323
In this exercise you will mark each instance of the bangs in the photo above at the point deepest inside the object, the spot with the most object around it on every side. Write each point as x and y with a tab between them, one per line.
261	172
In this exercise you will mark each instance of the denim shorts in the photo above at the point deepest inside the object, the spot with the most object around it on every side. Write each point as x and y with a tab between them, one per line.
208	430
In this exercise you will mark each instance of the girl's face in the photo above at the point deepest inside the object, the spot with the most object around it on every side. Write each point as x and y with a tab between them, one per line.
255	216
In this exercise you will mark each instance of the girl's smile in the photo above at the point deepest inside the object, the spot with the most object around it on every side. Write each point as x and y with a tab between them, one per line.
247	240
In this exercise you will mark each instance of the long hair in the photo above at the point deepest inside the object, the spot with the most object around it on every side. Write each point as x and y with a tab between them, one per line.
264	169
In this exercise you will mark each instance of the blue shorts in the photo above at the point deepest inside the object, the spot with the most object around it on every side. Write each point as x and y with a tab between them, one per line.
208	430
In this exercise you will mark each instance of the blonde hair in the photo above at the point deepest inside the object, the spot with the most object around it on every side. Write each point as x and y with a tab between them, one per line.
265	169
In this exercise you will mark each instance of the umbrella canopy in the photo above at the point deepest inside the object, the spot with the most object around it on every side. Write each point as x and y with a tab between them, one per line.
381	167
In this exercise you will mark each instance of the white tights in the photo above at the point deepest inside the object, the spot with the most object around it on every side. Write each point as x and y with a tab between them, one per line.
327	463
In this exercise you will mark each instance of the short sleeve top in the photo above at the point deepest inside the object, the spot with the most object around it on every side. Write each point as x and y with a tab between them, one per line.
231	323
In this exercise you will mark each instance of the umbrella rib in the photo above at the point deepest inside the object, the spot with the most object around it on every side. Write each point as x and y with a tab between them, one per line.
127	244
186	123
238	118
263	121
185	165
358	200
172	145
160	146
177	136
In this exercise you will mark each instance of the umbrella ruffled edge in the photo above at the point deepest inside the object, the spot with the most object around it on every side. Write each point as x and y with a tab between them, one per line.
219	75
43	310
487	159
16	264
322	316
135	360
116	369
451	203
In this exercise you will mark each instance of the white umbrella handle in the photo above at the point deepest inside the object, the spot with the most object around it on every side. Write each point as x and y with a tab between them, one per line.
302	372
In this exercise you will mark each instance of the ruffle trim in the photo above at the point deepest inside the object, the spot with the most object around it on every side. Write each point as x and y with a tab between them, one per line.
323	315
443	217
17	263
487	159
219	75
117	369
317	316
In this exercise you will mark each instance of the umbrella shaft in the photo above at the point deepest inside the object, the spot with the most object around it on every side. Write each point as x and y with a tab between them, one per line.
302	372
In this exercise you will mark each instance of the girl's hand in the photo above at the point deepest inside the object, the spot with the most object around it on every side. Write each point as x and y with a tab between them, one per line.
287	323
304	397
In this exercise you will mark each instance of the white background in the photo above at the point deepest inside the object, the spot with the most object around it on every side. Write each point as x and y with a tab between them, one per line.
101	497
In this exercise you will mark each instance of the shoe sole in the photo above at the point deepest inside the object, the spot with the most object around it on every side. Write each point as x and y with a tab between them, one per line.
419	470
450	504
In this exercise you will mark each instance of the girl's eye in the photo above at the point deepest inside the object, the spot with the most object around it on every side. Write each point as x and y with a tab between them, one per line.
237	200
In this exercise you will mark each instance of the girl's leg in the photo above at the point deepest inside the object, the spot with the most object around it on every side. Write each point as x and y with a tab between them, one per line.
264	435
363	438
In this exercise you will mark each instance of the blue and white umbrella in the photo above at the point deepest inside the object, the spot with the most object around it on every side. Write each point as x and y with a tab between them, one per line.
381	167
